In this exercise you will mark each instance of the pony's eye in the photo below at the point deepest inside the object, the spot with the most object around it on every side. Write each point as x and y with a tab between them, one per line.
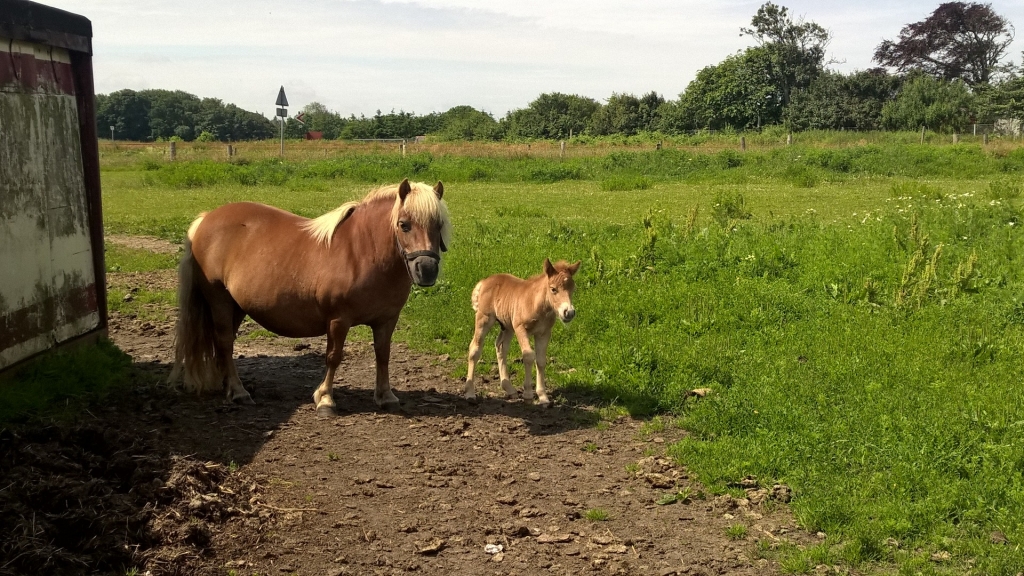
405	226
554	290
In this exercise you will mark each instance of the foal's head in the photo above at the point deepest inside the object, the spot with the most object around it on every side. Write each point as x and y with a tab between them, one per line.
422	229
560	287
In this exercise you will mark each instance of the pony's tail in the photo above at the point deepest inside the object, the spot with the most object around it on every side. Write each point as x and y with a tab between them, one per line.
194	356
475	299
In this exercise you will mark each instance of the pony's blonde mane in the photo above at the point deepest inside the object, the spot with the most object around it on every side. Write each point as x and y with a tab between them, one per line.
422	205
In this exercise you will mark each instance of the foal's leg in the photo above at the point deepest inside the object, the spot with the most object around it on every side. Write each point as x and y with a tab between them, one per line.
501	351
540	342
337	331
528	359
483	326
226	313
382	393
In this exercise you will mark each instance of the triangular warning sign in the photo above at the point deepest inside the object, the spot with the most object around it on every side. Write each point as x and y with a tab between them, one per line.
282	100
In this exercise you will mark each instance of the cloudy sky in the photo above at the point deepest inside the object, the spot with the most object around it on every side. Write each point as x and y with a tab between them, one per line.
357	56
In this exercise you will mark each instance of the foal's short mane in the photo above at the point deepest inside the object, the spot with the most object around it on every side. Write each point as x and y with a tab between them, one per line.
422	205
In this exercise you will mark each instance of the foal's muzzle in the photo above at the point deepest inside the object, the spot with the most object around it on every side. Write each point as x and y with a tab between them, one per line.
567	314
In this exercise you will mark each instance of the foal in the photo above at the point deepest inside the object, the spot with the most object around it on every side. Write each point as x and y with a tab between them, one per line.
527	308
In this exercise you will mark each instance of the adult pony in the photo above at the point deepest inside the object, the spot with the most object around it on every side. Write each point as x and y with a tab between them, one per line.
301	278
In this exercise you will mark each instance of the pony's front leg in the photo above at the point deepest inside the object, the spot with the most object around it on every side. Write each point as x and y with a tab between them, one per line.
382	393
323	399
540	342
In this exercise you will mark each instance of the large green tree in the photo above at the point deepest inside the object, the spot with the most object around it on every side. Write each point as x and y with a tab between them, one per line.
837	101
552	115
467	123
937	104
796	48
740	92
626	114
172	113
127	111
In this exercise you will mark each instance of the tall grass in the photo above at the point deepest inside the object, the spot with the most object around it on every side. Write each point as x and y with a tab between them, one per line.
803	166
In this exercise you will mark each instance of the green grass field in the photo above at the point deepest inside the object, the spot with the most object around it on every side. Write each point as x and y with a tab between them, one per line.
858	312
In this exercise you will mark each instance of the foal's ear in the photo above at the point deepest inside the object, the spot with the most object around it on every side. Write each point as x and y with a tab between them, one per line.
403	189
574	268
549	270
439	190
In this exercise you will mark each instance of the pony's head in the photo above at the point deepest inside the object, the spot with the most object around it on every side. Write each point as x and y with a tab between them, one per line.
560	287
422	229
419	220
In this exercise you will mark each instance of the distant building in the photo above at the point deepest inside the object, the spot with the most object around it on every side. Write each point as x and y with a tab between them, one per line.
312	135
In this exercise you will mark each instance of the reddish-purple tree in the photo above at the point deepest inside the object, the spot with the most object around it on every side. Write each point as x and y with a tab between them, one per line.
960	40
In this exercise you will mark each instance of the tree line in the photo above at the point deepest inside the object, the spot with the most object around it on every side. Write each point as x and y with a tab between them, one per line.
944	73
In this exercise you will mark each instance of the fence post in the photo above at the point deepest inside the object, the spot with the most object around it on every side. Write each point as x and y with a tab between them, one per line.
984	138
561	149
658	147
230	152
789	139
403	148
922	134
975	128
174	151
956	138
743	143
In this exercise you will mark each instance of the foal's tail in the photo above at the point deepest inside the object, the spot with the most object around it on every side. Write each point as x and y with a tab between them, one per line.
193	334
475	299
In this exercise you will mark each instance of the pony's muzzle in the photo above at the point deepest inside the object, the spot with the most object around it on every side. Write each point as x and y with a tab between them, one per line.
424	270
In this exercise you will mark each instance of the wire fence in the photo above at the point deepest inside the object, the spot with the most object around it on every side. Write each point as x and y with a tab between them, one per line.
112	153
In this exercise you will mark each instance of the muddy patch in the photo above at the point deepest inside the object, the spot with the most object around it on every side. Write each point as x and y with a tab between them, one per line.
148	243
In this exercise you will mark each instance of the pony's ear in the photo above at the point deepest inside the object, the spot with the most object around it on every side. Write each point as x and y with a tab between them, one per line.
549	270
574	268
439	190
403	190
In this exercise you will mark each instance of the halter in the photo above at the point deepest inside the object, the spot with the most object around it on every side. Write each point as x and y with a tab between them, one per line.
410	256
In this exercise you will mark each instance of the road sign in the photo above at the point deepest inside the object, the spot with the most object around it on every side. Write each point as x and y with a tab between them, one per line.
282	100
282	112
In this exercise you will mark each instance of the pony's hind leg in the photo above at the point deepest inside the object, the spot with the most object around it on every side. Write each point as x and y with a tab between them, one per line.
227	316
483	326
501	351
528	359
323	399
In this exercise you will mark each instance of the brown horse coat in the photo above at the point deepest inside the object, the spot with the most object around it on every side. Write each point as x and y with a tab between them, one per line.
300	278
525	308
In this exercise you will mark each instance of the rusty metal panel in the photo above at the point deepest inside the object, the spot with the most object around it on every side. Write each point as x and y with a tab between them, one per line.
48	273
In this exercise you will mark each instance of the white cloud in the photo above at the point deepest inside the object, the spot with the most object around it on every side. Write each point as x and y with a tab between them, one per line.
424	55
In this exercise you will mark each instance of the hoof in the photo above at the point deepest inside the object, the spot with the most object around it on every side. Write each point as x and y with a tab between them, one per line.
326	411
242	399
388	401
472	398
543	402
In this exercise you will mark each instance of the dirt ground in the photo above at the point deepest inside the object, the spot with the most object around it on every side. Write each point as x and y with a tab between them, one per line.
175	485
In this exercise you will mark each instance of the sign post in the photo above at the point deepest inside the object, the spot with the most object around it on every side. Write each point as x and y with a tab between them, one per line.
282	113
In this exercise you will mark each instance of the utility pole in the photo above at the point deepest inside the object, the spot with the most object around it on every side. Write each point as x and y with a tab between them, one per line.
111	133
282	113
